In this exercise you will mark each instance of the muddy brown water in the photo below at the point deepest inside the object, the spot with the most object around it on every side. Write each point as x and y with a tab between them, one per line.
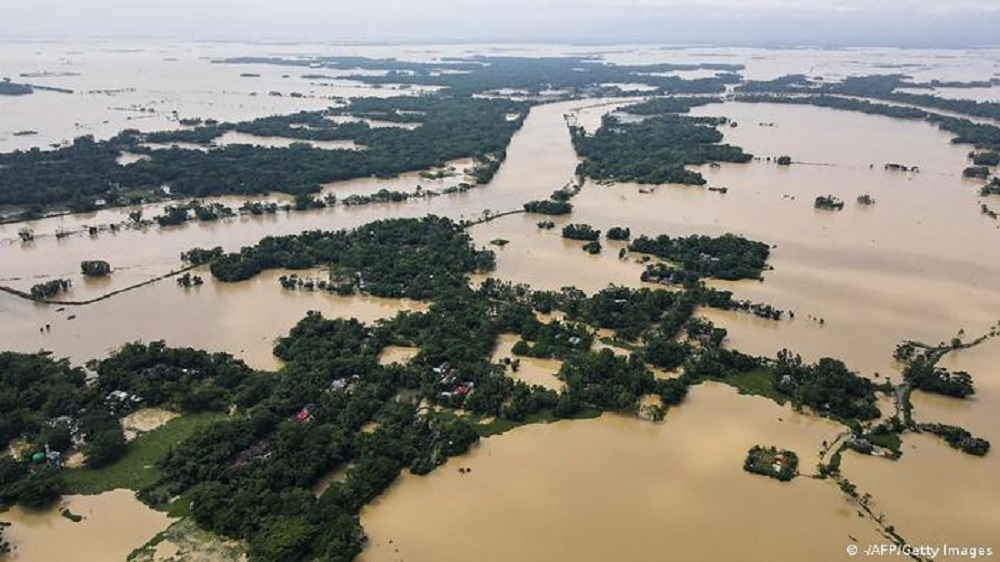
921	263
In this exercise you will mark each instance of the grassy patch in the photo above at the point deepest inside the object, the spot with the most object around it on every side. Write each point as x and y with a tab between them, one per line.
137	468
889	441
499	426
758	382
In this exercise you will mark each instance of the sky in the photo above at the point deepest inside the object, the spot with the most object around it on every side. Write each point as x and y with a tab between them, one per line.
905	23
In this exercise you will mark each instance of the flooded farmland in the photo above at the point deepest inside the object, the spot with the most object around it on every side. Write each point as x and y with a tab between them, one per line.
921	263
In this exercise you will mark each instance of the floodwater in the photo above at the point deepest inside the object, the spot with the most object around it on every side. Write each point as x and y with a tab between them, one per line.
240	318
235	137
397	354
540	159
145	420
943	485
541	372
617	488
919	264
115	523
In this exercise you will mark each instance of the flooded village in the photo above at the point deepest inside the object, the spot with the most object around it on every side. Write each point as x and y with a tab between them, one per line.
915	262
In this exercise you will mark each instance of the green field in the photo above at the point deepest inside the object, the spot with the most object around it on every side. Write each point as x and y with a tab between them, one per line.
758	382
137	468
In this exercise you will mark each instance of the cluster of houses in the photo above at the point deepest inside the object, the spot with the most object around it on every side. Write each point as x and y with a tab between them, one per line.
344	384
449	380
120	402
780	462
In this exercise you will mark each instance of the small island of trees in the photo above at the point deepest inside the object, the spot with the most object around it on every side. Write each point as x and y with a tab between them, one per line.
654	150
958	438
593	247
784	160
580	232
771	462
51	288
727	257
549	207
619	233
95	268
828	203
985	158
976	172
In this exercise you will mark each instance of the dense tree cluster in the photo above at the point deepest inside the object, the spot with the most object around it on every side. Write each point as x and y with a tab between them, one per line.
580	232
659	106
414	258
654	150
828	387
553	339
250	476
35	389
534	76
985	158
977	172
958	438
87	170
49	289
95	268
619	233
201	256
548	207
828	203
722	257
923	374
184	379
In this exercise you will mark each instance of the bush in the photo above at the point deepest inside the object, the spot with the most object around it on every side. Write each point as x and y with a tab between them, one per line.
580	232
96	268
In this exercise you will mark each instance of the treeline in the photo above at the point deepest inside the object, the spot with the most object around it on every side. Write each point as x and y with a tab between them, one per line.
534	76
450	128
413	258
659	106
49	289
549	207
654	150
958	438
881	87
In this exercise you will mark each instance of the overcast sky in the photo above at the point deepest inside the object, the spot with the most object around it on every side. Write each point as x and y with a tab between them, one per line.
824	22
